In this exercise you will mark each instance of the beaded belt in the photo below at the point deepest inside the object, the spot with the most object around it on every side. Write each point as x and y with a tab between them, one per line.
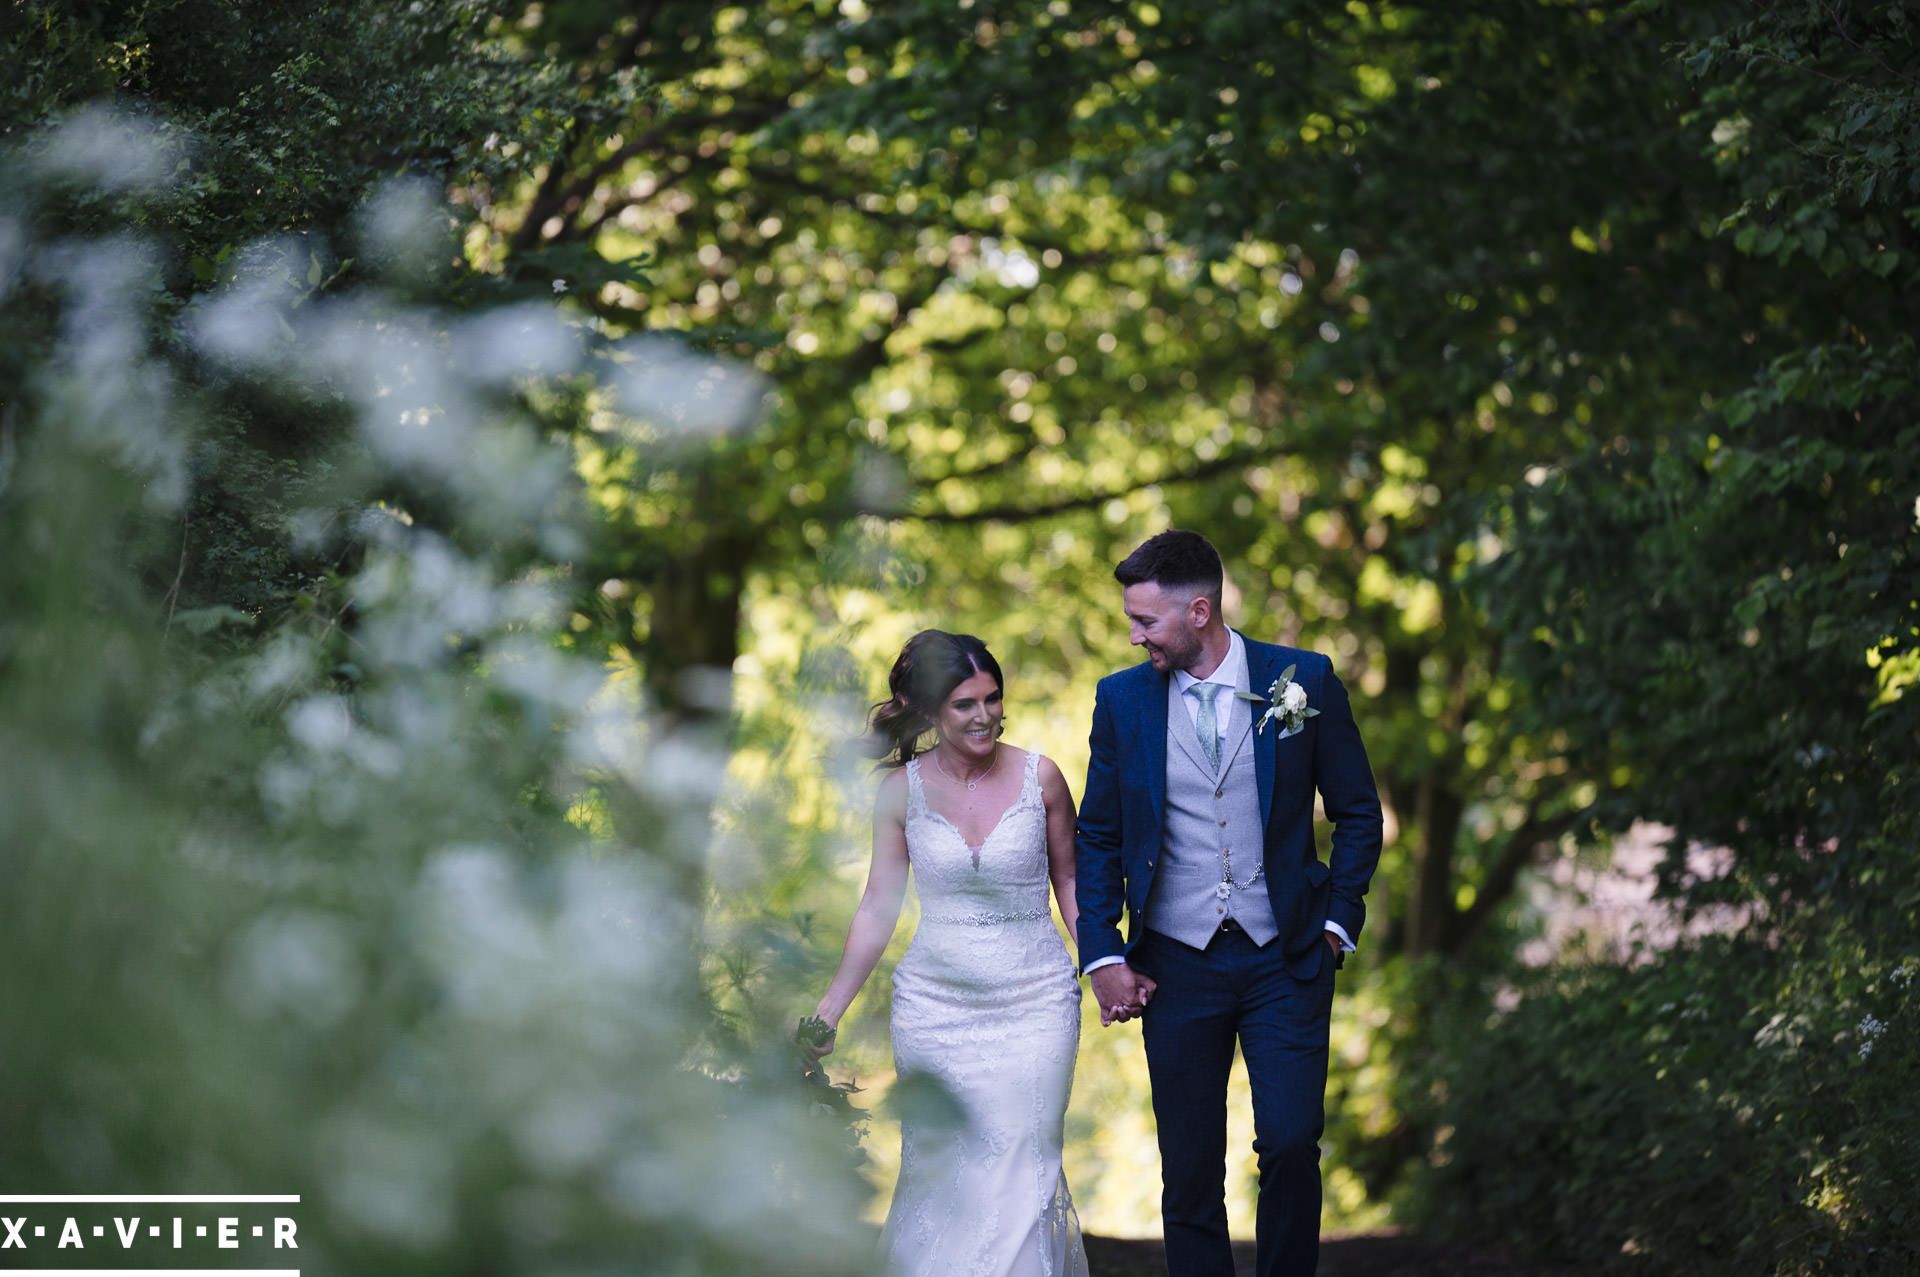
988	919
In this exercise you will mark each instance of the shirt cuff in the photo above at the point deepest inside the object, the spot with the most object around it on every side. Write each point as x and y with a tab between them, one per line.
1097	963
1340	933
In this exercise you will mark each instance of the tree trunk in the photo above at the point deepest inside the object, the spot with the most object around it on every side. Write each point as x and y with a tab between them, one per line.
687	655
1430	910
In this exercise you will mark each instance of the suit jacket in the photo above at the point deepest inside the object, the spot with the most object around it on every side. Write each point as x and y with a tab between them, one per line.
1122	819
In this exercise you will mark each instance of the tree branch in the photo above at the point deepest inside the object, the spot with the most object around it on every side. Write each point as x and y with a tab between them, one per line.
1007	462
540	208
1520	853
562	194
642	28
1014	512
946	223
588	229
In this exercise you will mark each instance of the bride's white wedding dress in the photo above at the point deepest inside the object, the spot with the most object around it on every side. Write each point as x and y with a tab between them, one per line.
985	1001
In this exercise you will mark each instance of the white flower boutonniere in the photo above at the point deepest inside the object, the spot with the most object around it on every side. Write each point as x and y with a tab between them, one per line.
1286	703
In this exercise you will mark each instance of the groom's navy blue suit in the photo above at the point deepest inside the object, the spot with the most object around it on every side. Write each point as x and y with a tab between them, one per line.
1275	999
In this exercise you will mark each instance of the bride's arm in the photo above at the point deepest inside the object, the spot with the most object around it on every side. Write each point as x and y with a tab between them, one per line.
879	910
1060	835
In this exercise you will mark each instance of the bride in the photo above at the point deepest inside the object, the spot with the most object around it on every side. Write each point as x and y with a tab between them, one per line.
986	1000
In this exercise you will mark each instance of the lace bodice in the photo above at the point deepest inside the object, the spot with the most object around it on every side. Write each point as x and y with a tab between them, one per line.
1003	879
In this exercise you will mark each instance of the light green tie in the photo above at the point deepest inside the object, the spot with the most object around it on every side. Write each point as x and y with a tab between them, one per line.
1206	725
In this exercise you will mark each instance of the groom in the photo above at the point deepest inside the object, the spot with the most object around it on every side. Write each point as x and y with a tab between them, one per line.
1201	826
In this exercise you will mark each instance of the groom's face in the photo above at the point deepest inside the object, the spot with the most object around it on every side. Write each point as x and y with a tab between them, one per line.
1167	623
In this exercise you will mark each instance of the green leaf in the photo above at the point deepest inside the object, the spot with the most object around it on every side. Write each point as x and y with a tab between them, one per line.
205	620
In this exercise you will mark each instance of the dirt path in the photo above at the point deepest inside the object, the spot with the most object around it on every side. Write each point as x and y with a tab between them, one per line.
1368	1255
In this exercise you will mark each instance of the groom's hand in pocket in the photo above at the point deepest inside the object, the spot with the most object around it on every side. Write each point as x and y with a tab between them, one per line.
1122	992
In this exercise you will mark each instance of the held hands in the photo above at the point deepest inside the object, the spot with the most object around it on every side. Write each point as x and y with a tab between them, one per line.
1122	991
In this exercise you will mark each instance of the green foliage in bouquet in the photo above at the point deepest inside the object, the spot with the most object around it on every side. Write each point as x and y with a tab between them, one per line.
830	1101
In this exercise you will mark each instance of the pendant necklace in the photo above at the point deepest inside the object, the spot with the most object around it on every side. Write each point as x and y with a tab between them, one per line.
975	782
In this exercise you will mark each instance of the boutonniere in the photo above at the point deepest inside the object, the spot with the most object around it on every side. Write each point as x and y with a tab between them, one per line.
1286	703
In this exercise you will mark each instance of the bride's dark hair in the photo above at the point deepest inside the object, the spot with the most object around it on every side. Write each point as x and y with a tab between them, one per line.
927	670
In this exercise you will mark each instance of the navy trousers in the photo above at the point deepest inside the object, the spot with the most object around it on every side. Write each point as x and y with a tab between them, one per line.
1206	1000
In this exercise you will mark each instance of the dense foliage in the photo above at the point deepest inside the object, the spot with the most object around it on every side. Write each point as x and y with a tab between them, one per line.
1723	613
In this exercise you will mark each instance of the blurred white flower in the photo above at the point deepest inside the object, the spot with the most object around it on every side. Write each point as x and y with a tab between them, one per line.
110	150
403	227
391	1176
880	481
543	676
1294	698
681	768
113	393
284	787
321	723
296	962
458	587
514	341
1870	1028
246	323
664	384
477	933
566	1132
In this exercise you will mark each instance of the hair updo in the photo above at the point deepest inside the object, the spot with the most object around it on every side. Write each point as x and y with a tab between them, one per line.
927	670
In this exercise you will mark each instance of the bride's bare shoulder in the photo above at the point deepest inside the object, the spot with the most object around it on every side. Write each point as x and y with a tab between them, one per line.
890	795
1053	782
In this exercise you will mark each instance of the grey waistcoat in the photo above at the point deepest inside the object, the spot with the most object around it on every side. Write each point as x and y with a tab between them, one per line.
1203	816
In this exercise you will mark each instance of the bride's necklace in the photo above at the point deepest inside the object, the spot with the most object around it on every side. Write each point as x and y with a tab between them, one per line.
975	782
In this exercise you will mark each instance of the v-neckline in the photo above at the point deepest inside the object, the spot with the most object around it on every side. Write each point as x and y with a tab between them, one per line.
927	805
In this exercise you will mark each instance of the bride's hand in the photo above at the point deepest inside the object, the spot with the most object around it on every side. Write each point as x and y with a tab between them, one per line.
815	1036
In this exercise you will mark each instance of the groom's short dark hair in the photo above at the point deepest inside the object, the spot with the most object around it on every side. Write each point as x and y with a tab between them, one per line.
1175	560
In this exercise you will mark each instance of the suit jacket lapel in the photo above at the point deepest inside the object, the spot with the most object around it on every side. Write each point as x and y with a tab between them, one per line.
1154	714
1239	711
1260	676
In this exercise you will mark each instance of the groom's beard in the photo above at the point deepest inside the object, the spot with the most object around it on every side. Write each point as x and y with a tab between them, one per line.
1177	657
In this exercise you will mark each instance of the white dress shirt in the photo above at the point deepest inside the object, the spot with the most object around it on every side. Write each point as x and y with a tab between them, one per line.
1231	677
